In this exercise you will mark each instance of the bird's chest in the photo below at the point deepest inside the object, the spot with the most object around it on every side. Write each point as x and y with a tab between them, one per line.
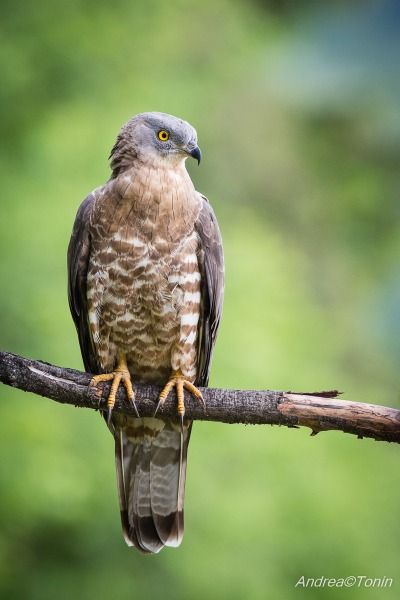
143	281
135	283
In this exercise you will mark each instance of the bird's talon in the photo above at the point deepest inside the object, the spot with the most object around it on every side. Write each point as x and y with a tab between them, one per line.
119	375
159	403
134	406
179	382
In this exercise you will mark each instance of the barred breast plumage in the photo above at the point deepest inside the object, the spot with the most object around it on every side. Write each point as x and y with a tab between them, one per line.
143	283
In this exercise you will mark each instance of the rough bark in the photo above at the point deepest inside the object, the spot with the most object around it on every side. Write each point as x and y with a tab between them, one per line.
319	411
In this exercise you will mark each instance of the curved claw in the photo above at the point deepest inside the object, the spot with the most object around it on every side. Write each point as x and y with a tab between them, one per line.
120	375
179	382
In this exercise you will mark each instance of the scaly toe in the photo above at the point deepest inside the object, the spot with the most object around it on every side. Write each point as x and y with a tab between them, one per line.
120	375
195	392
100	378
180	384
130	393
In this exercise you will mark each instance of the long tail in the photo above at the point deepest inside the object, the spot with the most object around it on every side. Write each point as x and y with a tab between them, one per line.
150	457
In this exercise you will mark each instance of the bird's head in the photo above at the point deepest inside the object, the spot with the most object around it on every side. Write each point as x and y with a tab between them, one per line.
154	137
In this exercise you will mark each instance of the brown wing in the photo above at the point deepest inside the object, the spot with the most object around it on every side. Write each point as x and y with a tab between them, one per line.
211	262
77	261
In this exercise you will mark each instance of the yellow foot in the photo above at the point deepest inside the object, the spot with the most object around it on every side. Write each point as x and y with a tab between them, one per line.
178	381
120	375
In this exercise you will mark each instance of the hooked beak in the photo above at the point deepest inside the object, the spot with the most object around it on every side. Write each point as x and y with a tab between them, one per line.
195	153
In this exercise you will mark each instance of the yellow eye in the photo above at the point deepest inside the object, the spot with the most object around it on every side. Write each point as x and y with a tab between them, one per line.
163	135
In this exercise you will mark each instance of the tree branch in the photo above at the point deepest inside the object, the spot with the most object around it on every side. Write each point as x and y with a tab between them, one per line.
320	412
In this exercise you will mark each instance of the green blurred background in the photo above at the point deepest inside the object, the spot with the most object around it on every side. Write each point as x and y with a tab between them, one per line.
296	106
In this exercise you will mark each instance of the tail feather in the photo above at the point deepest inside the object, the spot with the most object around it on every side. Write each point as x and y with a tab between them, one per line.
151	470
167	481
139	505
123	458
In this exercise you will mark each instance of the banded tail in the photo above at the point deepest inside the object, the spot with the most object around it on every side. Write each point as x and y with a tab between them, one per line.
150	457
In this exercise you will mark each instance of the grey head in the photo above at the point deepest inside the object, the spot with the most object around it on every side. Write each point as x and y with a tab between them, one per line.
154	136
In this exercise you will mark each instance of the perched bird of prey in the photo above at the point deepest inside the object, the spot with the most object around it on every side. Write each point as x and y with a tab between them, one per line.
146	280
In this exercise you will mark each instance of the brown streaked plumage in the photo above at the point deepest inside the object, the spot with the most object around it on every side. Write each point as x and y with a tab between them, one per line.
145	268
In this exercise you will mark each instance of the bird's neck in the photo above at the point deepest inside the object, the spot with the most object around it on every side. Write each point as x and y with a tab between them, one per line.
158	195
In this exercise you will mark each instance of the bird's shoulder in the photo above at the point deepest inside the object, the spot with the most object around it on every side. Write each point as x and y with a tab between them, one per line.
207	223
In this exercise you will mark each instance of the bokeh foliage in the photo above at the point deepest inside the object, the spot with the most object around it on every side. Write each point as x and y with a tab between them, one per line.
296	112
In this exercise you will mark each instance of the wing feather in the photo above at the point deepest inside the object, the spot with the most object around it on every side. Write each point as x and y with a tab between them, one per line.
211	262
77	263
